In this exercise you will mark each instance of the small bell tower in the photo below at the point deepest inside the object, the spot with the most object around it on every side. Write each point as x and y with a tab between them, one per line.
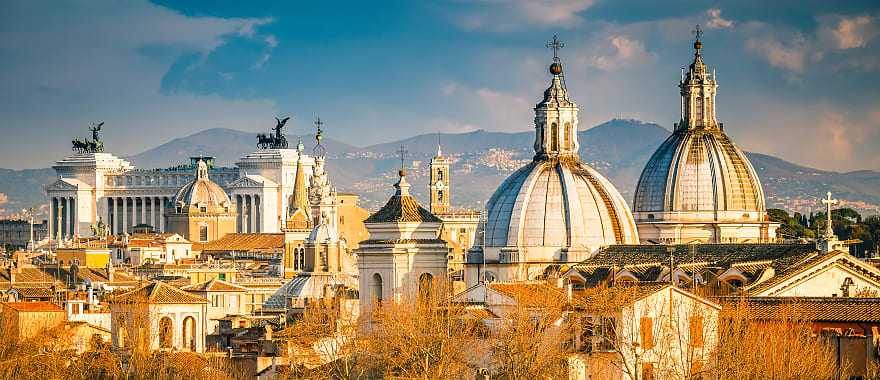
698	89
556	116
438	187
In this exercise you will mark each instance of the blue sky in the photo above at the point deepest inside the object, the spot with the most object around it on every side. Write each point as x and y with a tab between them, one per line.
798	79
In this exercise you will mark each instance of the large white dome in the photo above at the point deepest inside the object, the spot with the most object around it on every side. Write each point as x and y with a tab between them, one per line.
698	186
559	204
555	209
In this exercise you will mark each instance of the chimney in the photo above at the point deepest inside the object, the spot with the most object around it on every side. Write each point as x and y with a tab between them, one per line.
12	276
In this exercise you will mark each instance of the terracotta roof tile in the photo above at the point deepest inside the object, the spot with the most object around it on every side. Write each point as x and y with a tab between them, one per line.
402	209
243	242
816	309
159	292
33	306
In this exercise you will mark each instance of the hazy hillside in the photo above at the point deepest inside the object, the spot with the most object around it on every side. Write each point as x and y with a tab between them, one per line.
481	160
226	145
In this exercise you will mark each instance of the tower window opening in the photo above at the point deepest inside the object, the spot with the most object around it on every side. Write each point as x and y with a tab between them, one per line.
567	144
554	137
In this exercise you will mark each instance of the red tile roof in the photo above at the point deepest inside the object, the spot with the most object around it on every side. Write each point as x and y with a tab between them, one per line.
245	242
33	307
159	293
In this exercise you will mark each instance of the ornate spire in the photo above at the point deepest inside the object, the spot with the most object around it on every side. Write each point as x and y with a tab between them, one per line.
556	114
698	89
299	198
439	151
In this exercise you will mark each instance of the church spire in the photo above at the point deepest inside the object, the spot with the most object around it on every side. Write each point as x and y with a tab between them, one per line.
299	200
698	89
556	115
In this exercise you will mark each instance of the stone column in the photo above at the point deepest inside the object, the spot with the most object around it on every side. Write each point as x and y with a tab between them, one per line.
253	214
67	232
258	214
111	219
124	215
51	217
143	210
162	214
74	216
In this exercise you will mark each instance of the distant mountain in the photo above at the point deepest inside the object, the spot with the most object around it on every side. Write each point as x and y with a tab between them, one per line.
481	159
225	145
21	189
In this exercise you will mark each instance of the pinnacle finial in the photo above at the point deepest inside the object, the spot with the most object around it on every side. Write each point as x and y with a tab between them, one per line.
555	44
698	33
319	135
439	151
402	153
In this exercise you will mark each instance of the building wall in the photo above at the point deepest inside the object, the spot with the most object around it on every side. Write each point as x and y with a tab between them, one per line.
25	324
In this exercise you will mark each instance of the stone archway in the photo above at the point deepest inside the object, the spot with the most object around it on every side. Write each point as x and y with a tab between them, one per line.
189	334
166	333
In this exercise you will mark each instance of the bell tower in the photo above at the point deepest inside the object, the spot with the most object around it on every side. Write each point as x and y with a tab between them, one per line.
438	187
556	116
698	89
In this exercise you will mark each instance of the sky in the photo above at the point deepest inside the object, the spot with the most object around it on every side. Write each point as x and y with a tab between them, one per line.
797	79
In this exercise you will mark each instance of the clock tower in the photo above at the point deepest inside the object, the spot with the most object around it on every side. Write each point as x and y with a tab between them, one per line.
439	185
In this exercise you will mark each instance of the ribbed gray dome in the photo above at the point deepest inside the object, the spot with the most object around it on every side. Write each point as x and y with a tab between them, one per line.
698	170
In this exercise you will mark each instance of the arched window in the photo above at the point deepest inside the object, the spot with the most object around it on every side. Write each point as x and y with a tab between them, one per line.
426	283
376	287
439	195
567	144
166	333
440	174
189	333
554	137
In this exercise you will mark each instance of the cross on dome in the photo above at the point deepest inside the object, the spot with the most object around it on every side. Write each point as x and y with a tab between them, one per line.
555	44
402	153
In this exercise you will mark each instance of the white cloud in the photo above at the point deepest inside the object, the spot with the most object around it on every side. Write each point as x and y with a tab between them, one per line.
791	55
615	51
716	21
68	64
847	32
500	110
507	15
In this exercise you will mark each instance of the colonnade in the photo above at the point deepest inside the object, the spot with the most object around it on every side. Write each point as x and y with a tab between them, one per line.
123	213
249	213
62	218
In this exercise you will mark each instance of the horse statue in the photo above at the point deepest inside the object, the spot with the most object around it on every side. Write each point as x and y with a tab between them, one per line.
275	140
87	146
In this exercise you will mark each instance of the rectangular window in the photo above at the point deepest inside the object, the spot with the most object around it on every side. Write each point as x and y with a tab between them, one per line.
646	324
696	330
203	233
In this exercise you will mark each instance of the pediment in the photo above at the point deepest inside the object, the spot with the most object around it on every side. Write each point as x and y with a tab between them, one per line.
251	182
825	278
66	184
